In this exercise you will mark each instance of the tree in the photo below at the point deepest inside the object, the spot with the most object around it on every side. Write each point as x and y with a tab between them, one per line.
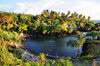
53	14
42	28
68	13
97	26
64	26
23	18
89	18
5	18
46	13
53	21
80	16
22	28
89	25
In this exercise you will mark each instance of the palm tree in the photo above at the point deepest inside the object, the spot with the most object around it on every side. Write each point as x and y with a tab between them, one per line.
68	13
80	16
46	13
89	18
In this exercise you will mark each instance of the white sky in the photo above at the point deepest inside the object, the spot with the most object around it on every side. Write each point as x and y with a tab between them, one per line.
86	7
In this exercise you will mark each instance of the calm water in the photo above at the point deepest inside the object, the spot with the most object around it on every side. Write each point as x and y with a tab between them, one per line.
53	47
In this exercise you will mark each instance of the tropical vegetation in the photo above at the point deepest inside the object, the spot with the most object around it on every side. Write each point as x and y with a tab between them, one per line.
46	23
49	23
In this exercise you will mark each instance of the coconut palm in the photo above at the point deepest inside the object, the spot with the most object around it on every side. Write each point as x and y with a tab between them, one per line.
89	18
68	13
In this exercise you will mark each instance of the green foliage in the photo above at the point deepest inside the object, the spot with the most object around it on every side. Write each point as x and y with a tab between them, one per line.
89	41
45	23
22	28
97	26
89	25
42	58
79	41
93	34
8	58
42	27
9	35
86	57
4	27
23	18
48	22
61	62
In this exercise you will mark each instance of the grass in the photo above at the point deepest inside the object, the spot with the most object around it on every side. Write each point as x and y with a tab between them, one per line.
85	57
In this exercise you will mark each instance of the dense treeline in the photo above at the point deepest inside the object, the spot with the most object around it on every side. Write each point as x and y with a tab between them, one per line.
49	22
46	23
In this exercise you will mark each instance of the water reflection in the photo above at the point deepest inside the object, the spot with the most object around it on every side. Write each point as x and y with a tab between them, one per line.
54	47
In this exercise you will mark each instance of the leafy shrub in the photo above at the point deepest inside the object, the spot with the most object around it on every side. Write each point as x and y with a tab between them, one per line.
9	35
86	57
93	34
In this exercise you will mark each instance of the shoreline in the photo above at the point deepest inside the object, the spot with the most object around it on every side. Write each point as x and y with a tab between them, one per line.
32	55
22	46
23	37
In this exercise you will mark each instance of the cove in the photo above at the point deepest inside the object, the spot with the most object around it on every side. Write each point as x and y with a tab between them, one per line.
53	47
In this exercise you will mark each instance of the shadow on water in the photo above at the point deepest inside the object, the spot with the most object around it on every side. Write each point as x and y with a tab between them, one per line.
57	47
91	47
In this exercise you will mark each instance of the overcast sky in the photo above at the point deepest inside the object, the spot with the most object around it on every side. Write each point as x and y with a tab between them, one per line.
86	7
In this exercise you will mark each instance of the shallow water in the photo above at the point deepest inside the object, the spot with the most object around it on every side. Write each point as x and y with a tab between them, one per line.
53	47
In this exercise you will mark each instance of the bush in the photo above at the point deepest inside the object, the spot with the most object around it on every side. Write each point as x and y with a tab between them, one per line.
9	35
93	34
